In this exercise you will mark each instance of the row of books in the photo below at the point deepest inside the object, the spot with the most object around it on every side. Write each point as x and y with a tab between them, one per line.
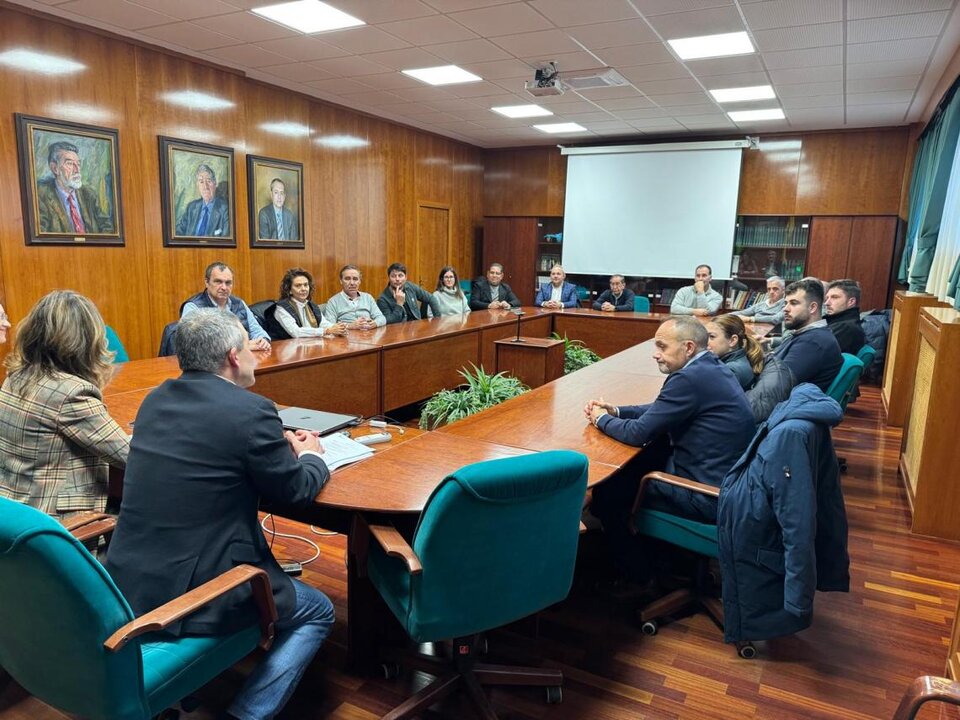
772	235
740	299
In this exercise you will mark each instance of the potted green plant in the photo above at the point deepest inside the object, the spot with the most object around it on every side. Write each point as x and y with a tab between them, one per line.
576	355
481	390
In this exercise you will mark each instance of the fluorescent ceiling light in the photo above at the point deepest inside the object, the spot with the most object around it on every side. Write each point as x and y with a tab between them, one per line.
342	142
708	46
291	129
743	94
308	16
443	75
555	128
748	115
197	100
521	111
40	62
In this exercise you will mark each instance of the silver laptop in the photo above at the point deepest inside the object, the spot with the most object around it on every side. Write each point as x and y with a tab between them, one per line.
296	418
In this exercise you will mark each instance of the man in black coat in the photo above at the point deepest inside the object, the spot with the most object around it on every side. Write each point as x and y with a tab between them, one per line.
701	410
204	451
491	293
842	303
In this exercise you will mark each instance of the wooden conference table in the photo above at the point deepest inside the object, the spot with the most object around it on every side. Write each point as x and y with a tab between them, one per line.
398	364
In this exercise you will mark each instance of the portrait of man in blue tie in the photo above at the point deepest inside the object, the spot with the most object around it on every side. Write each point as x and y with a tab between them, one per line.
275	221
208	215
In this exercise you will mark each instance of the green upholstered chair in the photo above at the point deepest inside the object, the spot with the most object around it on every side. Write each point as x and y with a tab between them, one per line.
641	303
497	541
69	638
467	287
115	346
845	383
866	355
699	538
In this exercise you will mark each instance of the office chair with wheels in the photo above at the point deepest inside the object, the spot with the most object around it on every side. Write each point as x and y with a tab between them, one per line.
641	303
115	345
698	537
263	312
69	638
496	542
844	386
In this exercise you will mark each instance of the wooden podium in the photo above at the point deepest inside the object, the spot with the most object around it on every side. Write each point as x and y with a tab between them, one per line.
931	451
901	358
534	361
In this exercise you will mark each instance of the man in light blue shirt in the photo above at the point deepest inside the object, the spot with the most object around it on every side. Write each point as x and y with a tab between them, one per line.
699	298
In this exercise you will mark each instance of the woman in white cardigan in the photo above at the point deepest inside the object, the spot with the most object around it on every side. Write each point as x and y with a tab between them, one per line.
449	295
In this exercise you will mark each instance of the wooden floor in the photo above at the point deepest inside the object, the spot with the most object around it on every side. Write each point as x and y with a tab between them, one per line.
855	662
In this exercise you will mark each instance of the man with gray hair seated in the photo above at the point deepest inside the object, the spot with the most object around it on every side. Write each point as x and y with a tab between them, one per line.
769	309
204	451
703	413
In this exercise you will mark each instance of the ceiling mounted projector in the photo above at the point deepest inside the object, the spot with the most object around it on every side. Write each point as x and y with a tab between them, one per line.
546	81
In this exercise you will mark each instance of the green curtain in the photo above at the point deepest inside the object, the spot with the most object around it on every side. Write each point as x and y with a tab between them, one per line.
929	188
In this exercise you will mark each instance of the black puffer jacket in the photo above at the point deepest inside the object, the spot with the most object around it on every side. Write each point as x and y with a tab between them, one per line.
772	386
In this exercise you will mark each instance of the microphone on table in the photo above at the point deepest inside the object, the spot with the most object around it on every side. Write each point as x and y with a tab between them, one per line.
519	313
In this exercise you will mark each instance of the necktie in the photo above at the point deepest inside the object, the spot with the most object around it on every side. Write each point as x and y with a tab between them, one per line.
204	216
75	214
279	226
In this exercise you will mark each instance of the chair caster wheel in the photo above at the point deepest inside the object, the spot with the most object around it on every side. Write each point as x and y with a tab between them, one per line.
746	650
649	628
554	694
391	671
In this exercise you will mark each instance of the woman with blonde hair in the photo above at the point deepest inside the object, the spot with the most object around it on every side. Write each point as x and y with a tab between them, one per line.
56	437
728	339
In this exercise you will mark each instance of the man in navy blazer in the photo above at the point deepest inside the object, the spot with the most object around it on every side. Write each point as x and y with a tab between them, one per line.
209	214
204	451
557	293
703	411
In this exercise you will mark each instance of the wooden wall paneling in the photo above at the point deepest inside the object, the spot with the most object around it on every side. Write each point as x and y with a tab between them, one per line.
512	242
176	273
852	173
524	181
468	209
278	126
433	244
828	247
98	94
871	256
768	177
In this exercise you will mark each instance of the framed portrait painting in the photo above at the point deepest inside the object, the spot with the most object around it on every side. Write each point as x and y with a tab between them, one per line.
197	194
275	197
70	182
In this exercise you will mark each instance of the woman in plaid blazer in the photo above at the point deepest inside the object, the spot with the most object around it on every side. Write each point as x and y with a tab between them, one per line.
56	437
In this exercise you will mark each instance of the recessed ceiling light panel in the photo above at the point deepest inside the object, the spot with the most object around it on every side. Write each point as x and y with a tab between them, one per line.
308	16
521	111
743	94
753	115
709	46
557	128
442	75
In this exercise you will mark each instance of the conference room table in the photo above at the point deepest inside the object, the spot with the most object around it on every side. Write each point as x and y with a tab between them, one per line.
394	485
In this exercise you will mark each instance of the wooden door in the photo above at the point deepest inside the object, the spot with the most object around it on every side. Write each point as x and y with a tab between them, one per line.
829	247
871	258
512	242
433	244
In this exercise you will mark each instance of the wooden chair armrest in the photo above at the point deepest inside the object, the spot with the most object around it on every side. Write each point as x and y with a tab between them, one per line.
87	526
693	485
924	689
394	545
190	602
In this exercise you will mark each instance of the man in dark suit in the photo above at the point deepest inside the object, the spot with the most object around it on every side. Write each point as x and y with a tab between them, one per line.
208	215
204	452
492	293
617	299
274	221
703	412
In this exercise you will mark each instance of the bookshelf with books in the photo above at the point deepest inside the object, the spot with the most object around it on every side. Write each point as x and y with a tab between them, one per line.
764	246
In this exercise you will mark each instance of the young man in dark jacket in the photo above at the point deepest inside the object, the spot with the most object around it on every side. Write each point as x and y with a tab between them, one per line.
842	303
